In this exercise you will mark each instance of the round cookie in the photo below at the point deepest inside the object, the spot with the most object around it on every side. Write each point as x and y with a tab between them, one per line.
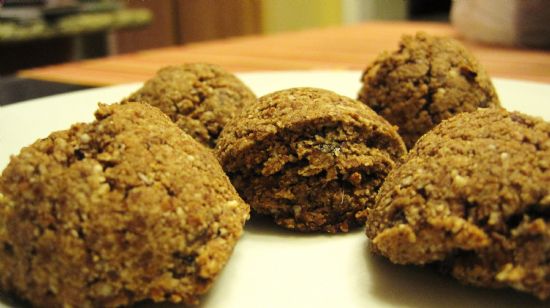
117	211
199	98
310	158
427	80
473	195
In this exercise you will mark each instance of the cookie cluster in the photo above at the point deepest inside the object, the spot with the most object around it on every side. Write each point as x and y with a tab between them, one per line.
148	201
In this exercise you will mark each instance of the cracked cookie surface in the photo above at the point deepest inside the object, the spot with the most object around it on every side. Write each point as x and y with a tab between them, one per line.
427	80
117	211
310	158
473	195
199	98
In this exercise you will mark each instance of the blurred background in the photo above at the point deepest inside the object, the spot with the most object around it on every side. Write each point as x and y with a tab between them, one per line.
41	32
130	39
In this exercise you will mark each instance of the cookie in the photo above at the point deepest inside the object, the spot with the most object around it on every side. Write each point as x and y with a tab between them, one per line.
117	211
473	195
199	98
310	158
428	79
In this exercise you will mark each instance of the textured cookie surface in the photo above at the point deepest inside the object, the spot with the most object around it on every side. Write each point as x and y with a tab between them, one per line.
427	80
473	195
199	98
113	212
310	158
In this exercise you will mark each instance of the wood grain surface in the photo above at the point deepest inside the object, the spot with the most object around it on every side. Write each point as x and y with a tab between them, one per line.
338	48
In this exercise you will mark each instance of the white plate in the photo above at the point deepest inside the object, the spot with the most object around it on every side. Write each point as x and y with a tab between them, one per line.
271	267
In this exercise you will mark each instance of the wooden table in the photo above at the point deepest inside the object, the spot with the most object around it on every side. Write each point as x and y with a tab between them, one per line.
338	48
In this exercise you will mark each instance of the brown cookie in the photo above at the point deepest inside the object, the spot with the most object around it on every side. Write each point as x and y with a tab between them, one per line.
427	80
310	158
474	196
117	211
199	98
